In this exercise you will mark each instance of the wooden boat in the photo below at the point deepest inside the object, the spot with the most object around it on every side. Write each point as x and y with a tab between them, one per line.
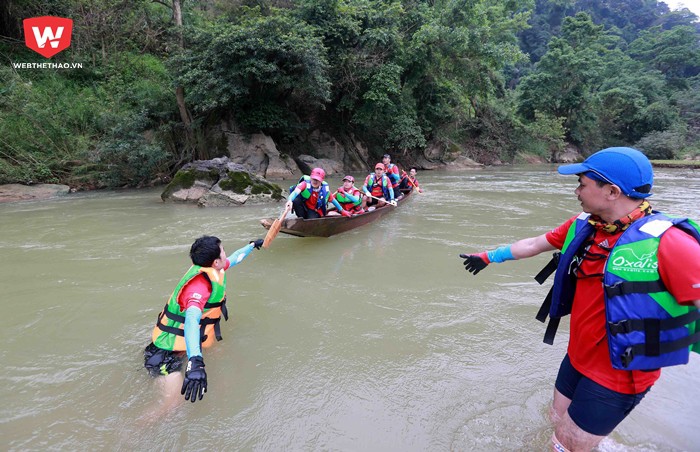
332	225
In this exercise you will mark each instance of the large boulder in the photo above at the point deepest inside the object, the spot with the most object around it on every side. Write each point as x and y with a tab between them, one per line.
19	192
219	182
258	153
570	154
344	150
440	155
307	163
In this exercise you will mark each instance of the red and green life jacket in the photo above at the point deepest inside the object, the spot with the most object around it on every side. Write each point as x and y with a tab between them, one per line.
321	201
169	332
646	328
347	203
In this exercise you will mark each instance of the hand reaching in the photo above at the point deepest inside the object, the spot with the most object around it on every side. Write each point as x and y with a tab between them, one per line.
474	263
257	243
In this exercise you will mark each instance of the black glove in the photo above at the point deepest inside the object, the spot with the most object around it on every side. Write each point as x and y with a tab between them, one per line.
195	379
473	263
257	243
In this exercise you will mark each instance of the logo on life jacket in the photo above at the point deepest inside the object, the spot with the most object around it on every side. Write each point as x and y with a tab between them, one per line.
625	260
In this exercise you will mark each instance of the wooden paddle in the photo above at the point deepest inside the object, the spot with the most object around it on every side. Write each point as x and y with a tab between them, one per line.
393	203
414	186
275	228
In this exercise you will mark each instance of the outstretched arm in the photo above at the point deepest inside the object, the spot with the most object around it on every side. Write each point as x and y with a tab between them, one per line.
521	249
240	254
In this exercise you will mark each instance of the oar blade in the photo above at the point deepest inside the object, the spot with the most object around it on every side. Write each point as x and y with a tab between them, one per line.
275	228
272	232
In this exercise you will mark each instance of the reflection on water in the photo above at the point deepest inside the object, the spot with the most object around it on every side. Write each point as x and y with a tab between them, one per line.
374	340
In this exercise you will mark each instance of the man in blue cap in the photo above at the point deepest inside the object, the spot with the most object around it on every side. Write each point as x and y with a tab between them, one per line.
630	278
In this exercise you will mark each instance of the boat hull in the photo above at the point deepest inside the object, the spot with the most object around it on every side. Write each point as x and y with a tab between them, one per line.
331	225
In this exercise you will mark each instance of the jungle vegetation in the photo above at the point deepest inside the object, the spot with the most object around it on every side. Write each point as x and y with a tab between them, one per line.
490	79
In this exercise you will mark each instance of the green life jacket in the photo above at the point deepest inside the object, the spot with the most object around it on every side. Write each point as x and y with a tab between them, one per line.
169	334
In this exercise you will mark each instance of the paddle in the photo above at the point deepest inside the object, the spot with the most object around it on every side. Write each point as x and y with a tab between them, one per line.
275	228
414	186
393	203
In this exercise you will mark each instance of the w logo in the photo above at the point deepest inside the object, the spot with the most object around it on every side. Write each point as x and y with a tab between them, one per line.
54	31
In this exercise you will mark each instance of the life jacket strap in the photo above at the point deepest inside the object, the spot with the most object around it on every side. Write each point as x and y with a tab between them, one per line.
629	325
627	287
181	319
548	269
221	304
166	328
546	304
551	330
217	328
543	312
655	348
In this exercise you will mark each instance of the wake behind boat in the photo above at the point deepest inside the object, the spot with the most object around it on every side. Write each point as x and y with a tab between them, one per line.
331	225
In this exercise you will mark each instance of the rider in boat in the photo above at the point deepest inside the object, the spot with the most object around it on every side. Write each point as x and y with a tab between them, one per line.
349	197
377	188
310	197
409	181
392	172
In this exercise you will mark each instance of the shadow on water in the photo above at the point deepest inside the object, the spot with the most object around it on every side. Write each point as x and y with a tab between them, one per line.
372	340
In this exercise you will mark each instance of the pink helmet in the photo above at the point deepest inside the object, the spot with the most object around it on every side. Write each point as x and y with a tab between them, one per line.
380	165
318	174
349	178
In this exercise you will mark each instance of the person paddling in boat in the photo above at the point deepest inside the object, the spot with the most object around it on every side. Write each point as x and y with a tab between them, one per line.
392	172
377	188
630	278
349	197
190	321
409	181
310	197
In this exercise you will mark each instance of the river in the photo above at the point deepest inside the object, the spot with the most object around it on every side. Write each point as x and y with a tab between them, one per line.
373	340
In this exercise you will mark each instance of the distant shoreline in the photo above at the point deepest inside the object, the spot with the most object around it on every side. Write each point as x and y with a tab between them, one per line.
692	164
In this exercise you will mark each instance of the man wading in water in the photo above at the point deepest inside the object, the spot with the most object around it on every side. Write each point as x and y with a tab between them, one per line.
190	321
630	278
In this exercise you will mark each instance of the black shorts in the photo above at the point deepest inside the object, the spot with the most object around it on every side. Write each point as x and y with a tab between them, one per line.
594	408
162	362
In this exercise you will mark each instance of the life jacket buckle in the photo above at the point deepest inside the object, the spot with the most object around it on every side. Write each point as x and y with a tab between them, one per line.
613	290
627	357
621	327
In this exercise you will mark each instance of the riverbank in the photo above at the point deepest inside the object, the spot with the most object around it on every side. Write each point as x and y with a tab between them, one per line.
19	192
693	164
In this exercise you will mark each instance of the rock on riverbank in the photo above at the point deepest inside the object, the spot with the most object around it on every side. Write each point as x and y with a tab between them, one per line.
19	192
219	182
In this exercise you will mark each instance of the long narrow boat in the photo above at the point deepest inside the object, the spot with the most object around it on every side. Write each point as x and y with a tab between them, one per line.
332	225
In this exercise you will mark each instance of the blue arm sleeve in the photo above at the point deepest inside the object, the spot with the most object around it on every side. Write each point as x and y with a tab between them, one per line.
239	255
500	254
337	205
192	318
293	195
354	199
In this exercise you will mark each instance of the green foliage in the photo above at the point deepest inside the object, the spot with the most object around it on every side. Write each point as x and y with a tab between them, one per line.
85	130
545	136
493	77
661	145
273	60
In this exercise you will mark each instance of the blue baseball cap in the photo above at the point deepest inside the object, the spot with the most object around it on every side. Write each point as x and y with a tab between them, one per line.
627	168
